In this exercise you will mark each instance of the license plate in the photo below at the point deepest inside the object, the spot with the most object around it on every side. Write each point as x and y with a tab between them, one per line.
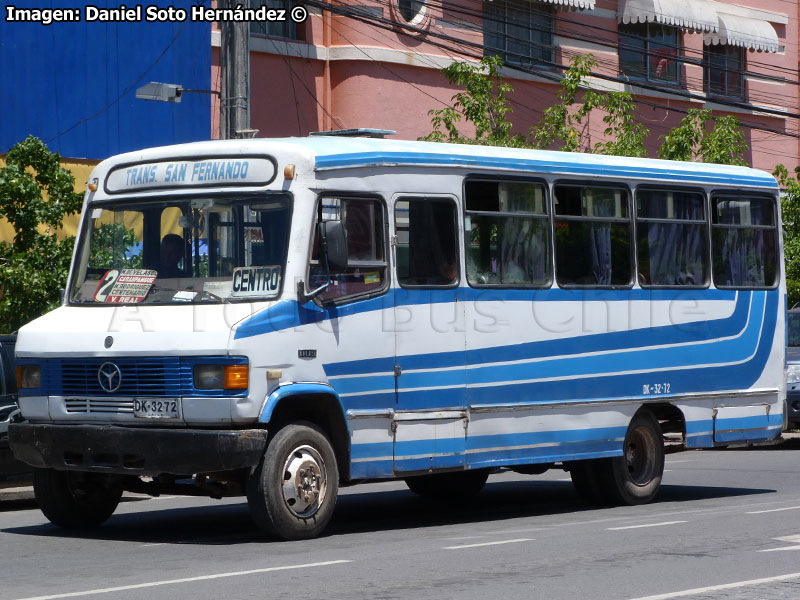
155	409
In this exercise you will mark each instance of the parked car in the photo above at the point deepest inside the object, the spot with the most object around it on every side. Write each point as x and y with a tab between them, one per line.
793	368
10	468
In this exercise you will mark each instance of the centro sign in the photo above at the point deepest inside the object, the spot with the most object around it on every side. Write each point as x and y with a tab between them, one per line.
188	173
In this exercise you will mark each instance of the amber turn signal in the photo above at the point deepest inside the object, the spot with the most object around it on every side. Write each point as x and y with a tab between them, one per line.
236	377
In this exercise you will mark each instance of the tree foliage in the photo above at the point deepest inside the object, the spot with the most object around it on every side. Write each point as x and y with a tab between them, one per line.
723	144
36	193
562	124
483	102
790	217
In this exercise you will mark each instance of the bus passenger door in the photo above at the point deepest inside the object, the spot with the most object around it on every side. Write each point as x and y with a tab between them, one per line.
430	416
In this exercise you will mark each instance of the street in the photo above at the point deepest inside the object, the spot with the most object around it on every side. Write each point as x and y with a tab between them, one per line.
724	526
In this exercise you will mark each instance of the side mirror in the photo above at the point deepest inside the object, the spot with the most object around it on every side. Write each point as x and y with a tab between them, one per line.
334	244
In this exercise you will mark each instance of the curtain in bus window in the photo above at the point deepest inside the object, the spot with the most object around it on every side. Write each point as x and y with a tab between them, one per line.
744	252
522	243
675	251
599	204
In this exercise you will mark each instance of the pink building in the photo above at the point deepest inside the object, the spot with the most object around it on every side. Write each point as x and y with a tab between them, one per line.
376	63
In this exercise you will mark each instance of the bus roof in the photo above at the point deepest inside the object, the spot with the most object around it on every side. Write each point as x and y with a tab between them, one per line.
330	153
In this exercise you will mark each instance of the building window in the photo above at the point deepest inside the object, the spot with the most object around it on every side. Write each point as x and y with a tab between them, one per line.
518	31
286	28
412	12
724	65
649	51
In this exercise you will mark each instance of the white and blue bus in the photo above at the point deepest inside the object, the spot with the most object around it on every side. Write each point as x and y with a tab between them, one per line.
275	318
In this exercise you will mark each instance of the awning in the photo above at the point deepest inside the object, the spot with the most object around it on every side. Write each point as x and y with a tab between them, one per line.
691	15
754	34
573	4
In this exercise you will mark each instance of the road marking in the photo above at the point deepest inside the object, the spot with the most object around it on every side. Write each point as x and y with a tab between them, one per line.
792	539
647	525
483	544
725	586
138	586
761	512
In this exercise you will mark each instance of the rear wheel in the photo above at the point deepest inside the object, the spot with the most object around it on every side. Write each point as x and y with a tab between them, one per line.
74	500
443	486
587	477
635	477
292	493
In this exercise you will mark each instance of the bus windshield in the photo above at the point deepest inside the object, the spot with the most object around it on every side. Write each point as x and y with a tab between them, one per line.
186	250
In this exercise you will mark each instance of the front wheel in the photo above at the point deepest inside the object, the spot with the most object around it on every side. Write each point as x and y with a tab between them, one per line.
75	500
292	493
635	477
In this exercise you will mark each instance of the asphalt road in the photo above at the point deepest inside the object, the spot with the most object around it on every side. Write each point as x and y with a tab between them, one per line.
726	525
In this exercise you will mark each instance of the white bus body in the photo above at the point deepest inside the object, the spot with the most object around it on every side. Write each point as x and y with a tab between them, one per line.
499	308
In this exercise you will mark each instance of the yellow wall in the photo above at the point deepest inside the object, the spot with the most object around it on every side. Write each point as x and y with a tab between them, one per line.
81	169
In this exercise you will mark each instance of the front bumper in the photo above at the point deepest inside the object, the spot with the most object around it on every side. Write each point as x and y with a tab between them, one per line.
135	450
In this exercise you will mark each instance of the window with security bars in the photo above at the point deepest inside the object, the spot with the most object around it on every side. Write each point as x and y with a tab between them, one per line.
724	67
286	28
649	51
518	31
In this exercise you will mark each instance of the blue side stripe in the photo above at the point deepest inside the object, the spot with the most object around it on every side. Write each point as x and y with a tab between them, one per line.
289	314
676	173
722	351
651	336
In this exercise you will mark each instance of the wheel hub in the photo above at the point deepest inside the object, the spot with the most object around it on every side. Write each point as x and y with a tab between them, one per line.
304	481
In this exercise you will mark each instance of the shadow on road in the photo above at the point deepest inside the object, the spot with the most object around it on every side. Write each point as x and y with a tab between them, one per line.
368	511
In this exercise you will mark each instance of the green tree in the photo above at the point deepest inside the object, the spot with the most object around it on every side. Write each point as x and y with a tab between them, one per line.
691	139
562	123
790	217
483	103
36	193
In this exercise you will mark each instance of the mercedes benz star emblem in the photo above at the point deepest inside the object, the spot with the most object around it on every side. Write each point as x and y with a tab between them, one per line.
109	376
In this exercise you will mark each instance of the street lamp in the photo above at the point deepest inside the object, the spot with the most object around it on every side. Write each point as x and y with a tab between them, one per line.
166	92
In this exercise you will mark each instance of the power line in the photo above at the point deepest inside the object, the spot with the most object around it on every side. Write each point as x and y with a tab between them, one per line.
390	25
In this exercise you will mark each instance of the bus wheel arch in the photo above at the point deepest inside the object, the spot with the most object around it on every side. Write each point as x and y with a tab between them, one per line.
322	408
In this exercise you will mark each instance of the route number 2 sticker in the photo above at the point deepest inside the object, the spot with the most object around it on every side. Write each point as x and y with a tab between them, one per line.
124	286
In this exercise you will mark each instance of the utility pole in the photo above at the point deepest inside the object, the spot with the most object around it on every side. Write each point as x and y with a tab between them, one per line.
235	85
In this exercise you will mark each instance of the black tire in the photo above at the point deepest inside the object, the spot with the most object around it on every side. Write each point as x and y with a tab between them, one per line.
457	484
303	453
635	477
76	500
587	478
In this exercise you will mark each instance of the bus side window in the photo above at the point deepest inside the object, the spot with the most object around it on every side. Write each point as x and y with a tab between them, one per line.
427	242
671	238
744	242
593	236
365	226
507	233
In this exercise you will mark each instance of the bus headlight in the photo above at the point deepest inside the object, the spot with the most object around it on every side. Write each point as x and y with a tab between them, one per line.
793	374
221	377
29	376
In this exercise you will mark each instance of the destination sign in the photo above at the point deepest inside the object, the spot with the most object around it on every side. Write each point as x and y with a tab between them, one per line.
187	173
256	281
